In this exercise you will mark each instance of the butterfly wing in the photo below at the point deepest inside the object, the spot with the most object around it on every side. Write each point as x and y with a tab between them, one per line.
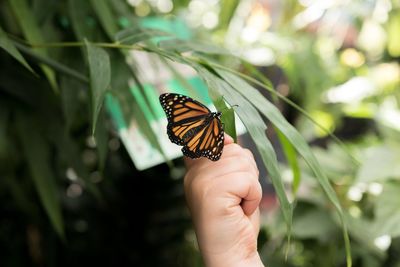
206	142
185	115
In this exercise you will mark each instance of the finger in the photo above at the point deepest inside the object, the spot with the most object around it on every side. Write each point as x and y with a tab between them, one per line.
228	139
252	200
243	187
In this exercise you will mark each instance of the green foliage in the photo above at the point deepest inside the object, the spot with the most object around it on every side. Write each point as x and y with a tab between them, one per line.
56	137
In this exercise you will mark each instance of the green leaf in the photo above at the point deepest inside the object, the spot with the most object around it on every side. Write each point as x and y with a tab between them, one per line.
52	63
381	163
256	128
37	156
225	16
101	137
7	45
291	157
181	46
33	34
315	223
228	114
134	35
387	211
228	120
272	113
105	16
84	25
100	77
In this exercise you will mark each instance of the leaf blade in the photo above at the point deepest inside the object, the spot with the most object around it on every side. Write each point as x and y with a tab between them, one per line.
37	156
100	78
9	47
272	113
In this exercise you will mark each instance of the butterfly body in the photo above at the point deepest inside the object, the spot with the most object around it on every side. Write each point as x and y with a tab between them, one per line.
193	126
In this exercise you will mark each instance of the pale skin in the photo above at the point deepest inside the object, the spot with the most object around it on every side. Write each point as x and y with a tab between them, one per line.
223	198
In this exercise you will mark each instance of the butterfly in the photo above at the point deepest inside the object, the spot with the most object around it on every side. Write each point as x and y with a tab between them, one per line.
193	126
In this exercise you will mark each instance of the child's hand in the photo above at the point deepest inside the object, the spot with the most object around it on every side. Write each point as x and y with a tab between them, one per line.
223	198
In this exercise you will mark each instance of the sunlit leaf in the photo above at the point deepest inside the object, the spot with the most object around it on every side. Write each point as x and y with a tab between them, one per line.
387	211
134	35
181	46
291	157
228	114
225	17
381	163
256	128
272	113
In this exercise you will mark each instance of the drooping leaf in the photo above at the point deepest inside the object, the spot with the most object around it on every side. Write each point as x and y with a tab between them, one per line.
9	47
32	33
272	113
256	128
291	157
228	114
37	156
101	137
181	46
52	63
100	76
82	21
229	8
105	16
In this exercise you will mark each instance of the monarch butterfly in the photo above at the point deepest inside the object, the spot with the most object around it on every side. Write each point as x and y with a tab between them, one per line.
193	126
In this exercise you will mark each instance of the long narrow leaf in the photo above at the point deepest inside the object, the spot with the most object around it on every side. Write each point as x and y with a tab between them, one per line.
9	47
105	16
291	157
33	34
100	76
256	127
38	158
272	113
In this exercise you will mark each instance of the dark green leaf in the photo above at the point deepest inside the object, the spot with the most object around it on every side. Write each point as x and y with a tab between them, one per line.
33	34
105	16
37	155
7	45
100	76
101	137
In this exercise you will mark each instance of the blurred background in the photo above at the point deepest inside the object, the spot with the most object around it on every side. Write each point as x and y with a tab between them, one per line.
68	198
